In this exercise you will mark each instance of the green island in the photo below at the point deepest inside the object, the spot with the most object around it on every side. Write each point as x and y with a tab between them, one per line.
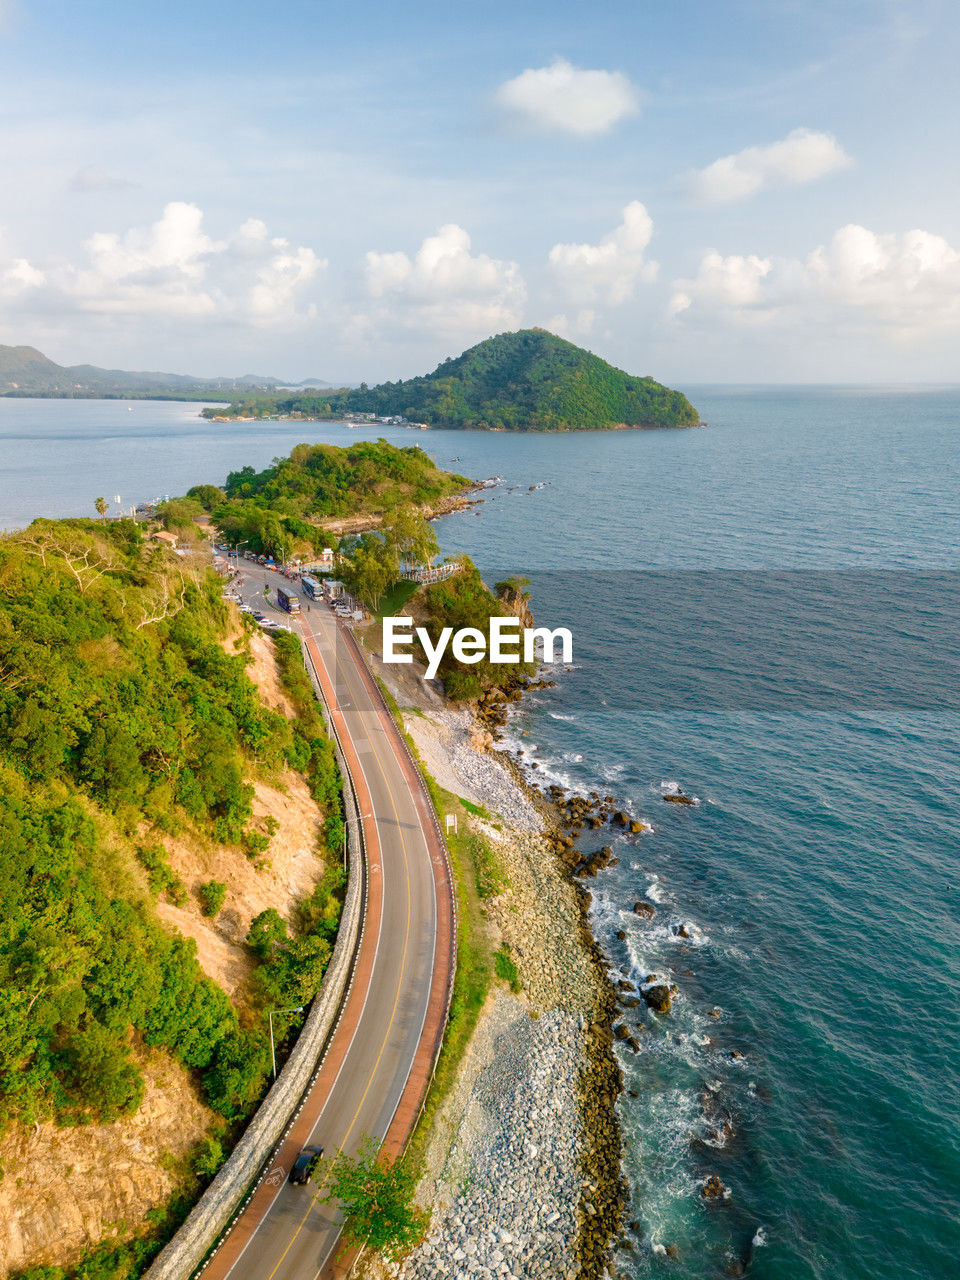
525	381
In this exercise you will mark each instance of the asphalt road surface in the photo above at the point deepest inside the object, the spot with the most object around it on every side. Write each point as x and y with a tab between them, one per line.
285	1231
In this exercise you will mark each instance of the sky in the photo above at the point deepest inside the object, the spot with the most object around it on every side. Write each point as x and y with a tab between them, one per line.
706	190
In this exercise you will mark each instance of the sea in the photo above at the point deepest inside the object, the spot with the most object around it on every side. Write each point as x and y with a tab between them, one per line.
765	617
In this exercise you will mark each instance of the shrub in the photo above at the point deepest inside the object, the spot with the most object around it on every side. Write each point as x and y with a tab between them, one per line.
212	895
207	1157
160	876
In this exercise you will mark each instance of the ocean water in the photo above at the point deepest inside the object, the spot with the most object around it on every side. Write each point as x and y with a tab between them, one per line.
765	617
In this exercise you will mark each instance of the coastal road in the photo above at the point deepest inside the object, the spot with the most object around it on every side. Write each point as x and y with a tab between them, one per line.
378	1063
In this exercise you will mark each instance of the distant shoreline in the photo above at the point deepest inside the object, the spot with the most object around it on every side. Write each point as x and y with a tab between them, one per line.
446	426
183	397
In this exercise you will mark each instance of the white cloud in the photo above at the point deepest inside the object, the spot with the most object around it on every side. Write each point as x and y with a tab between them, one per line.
566	98
733	281
609	271
20	276
173	268
801	156
907	285
444	287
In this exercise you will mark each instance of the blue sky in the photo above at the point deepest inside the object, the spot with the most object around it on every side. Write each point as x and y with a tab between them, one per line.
708	190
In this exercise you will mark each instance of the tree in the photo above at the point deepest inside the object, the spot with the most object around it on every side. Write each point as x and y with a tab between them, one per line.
236	1078
410	537
268	931
101	505
208	495
98	1072
376	1194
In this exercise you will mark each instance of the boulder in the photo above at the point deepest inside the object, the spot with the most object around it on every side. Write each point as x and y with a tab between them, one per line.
680	799
644	910
713	1188
659	997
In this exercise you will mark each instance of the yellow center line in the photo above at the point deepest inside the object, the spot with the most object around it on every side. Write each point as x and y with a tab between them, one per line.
396	1001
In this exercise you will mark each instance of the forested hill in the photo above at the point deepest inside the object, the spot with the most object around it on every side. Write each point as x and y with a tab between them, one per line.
130	734
525	381
27	372
284	510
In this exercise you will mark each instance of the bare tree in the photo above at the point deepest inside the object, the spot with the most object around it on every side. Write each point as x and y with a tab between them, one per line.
164	603
87	564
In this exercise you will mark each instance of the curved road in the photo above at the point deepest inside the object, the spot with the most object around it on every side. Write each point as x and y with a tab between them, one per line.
378	1062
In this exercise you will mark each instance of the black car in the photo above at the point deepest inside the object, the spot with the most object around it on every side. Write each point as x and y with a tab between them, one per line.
304	1165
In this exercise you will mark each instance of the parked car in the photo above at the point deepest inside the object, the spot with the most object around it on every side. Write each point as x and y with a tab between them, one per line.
304	1165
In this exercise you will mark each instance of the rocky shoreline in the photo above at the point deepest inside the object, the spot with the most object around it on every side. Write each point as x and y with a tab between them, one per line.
523	1171
432	511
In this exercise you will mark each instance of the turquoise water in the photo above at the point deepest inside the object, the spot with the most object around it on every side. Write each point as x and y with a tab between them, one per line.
814	714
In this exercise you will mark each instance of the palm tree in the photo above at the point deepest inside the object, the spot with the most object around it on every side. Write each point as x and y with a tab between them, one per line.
101	505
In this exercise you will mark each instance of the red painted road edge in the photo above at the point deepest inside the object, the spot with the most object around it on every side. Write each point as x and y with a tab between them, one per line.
444	966
445	955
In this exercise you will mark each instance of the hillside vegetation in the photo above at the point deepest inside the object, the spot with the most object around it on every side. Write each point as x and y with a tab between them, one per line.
283	508
126	727
525	381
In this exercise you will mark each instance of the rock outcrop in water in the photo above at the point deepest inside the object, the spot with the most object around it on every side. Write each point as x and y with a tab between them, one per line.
658	993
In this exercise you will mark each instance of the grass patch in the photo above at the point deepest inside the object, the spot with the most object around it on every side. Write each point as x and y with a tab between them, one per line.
392	601
506	970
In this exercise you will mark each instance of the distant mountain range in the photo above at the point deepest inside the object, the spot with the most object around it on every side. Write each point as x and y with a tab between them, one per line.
25	371
530	380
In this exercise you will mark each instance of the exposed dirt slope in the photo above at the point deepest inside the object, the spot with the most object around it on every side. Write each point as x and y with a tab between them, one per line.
66	1189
